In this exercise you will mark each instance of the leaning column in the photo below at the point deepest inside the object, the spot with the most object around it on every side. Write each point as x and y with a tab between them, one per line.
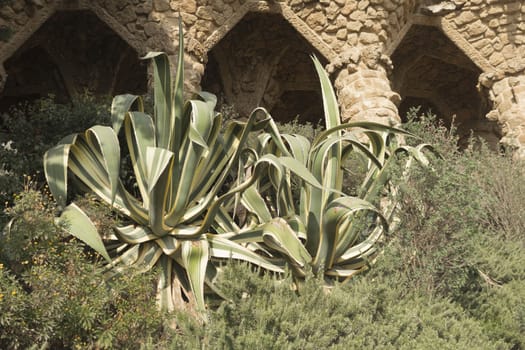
507	95
363	88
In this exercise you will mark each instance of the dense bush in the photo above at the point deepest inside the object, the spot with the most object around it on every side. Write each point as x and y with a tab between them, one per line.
28	130
52	293
365	314
462	236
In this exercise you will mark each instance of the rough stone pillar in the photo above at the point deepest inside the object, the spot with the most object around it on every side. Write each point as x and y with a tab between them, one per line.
507	95
193	72
363	87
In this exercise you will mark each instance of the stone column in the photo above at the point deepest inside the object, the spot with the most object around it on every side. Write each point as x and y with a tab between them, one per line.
507	95
363	87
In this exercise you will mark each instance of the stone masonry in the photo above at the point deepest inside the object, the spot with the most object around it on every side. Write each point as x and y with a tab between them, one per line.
465	59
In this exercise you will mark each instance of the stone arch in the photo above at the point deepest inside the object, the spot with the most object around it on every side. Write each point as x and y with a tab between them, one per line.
40	16
448	30
430	69
271	7
112	23
264	61
92	57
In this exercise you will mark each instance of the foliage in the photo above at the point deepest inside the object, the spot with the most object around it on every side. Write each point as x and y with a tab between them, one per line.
365	314
451	277
53	296
320	225
182	160
461	236
29	129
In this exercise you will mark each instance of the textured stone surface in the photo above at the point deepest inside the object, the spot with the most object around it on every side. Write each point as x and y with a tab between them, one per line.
356	37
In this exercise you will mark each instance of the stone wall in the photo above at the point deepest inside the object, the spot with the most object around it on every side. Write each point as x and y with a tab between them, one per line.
357	39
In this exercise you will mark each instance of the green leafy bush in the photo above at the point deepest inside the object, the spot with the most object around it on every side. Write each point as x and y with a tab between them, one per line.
52	293
28	130
462	236
367	313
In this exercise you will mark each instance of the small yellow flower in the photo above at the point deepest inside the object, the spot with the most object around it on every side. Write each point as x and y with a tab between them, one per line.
13	293
1	296
1	266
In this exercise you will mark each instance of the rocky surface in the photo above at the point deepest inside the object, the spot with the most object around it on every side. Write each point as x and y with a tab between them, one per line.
356	38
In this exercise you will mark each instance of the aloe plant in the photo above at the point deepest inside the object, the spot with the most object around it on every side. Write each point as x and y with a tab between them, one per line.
182	158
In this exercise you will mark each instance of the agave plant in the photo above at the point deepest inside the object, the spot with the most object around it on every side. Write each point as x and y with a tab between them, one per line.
314	223
182	160
194	176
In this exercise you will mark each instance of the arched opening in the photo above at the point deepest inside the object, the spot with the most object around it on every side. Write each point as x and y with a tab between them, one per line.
431	72
29	80
72	52
263	61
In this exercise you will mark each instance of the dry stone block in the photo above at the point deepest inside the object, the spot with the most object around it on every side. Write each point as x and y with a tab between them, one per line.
368	38
342	34
161	5
204	12
316	21
354	26
350	7
362	5
187	6
477	28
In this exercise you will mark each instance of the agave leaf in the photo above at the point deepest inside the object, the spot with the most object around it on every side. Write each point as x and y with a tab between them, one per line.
55	169
273	134
253	201
322	166
300	170
417	152
149	254
78	224
278	235
343	216
194	258
224	222
120	105
105	139
159	162
348	270
196	144
165	284
360	126
227	249
134	234
363	248
163	98
177	114
299	147
330	105
223	159
140	134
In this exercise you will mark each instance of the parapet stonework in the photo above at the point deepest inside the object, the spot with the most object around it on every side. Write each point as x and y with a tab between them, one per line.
462	59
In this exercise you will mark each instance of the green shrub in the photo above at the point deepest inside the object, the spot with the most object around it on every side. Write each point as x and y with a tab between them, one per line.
53	294
28	130
502	313
365	314
461	236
